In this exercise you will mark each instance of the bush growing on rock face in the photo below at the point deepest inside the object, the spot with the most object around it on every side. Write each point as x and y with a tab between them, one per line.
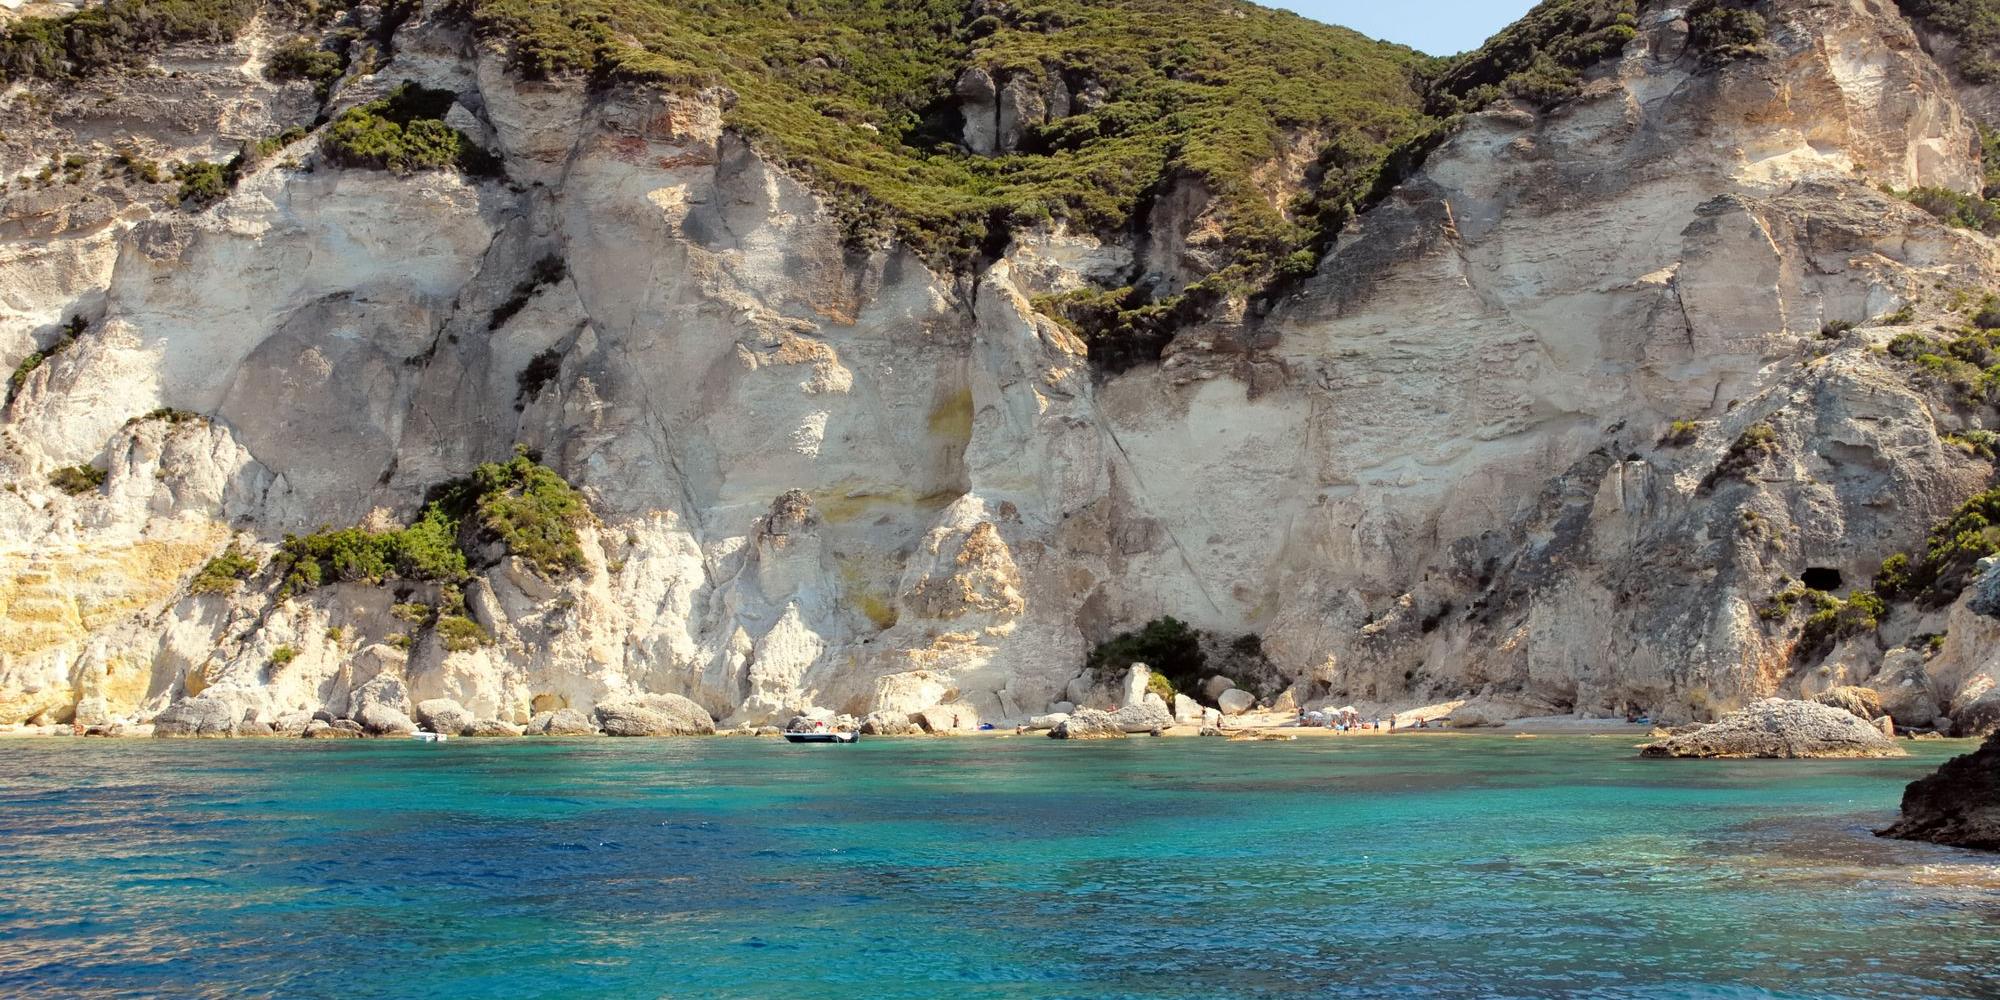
404	133
521	504
283	655
1680	434
203	183
1168	645
1722	30
117	33
301	59
1973	24
77	480
461	634
225	572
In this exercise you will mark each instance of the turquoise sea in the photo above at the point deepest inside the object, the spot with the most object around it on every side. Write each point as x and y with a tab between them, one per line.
1432	866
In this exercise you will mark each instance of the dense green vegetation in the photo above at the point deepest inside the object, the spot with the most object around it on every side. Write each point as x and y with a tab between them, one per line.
1539	58
1935	576
404	133
114	34
1955	208
1974	24
225	572
303	59
519	503
1202	91
71	330
76	480
1168	645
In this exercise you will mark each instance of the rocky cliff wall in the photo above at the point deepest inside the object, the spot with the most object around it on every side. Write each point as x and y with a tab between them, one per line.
829	476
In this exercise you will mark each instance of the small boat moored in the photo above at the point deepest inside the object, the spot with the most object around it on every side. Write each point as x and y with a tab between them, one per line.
822	737
423	737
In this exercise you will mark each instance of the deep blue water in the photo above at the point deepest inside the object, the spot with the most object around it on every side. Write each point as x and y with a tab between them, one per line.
1413	866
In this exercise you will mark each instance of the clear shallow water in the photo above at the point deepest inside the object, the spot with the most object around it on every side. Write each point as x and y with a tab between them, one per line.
1418	866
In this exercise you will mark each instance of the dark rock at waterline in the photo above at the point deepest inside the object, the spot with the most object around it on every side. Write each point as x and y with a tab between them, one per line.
1957	805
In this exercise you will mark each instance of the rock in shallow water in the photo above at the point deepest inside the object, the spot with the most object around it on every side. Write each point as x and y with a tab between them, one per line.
1088	724
443	715
200	716
1958	805
562	722
654	715
1777	727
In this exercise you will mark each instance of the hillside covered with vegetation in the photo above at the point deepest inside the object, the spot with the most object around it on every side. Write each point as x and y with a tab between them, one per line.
858	97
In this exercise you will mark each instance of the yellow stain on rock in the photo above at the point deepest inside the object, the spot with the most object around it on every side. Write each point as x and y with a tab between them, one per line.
952	418
58	596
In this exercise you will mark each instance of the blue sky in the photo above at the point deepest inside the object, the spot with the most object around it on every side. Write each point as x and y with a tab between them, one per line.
1439	27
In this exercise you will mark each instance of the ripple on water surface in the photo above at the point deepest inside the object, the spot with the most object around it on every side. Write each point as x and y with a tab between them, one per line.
981	868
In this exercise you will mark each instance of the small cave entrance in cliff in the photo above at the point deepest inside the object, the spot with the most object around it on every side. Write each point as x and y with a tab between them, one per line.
1821	578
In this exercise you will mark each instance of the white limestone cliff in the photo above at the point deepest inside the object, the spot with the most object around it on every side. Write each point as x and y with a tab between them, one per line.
835	479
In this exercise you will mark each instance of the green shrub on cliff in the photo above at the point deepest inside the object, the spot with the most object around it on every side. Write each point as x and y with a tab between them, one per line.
404	133
520	504
1722	30
1168	645
76	480
113	34
1540	58
1200	92
1973	24
225	572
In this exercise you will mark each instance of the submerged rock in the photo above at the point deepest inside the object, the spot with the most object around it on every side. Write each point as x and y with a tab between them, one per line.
1088	724
1777	727
654	715
1958	805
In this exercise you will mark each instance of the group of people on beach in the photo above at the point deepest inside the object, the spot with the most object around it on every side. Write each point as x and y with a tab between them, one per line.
1351	722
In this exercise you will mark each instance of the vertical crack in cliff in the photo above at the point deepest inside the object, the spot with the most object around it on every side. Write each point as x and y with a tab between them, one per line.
1179	549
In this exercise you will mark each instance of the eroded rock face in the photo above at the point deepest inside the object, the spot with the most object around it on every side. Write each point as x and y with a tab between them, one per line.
1959	805
1776	727
1088	724
443	715
1860	702
836	479
654	715
198	717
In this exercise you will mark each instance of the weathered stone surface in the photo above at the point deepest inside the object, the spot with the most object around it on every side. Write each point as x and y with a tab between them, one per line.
1482	366
1212	688
1088	724
1187	711
320	729
199	716
443	715
889	724
1149	714
1958	805
654	715
1905	692
1042	723
493	728
291	723
1776	727
1235	702
1860	702
948	718
561	722
378	719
